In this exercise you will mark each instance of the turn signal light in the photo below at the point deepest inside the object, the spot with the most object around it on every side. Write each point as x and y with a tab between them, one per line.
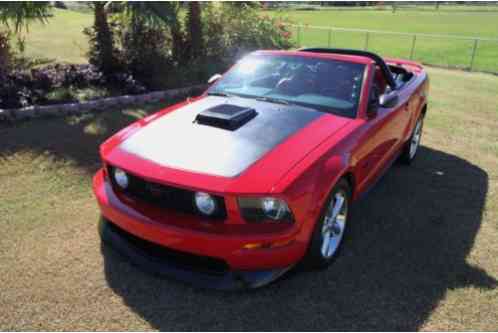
268	245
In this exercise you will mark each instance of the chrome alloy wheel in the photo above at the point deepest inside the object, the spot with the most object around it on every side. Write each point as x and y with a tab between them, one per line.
415	141
334	224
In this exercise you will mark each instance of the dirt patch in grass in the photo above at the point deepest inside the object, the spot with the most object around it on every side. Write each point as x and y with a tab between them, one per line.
420	255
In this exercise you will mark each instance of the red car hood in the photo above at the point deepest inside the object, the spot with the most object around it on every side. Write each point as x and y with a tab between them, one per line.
173	149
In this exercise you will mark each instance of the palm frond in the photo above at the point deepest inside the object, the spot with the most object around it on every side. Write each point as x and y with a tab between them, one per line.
153	12
19	14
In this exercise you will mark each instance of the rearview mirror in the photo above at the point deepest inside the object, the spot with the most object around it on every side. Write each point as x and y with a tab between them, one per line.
214	78
388	100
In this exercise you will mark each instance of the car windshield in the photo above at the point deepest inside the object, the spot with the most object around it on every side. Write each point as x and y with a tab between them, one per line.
326	85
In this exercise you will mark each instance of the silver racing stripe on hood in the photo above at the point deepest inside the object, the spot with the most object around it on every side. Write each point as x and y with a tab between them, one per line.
176	141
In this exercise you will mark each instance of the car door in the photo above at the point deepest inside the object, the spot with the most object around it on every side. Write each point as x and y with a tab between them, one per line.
380	140
414	97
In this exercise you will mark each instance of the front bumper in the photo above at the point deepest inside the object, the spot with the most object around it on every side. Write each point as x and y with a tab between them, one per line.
225	242
230	280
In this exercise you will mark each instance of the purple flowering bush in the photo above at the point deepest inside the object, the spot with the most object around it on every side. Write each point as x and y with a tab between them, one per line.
21	88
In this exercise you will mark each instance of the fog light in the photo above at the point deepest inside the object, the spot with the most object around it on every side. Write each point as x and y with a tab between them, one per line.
205	203
121	178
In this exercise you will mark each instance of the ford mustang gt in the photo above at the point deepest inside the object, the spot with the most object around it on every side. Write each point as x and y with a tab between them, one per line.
235	187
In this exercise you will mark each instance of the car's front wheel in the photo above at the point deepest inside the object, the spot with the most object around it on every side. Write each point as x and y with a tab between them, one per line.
411	147
329	230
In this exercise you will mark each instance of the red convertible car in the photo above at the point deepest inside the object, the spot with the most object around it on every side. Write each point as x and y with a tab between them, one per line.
235	187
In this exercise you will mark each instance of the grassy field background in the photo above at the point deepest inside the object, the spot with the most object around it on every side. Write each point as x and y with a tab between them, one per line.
435	51
62	38
421	253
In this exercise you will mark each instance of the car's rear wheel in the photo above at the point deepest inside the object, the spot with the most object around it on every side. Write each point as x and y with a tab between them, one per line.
411	147
329	230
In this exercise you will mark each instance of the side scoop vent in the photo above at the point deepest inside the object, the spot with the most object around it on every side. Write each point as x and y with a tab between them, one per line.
226	116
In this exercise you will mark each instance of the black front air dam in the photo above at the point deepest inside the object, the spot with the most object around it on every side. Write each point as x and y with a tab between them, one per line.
229	280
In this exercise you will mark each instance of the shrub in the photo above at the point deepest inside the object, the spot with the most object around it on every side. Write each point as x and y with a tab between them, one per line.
60	83
102	52
146	52
164	55
228	31
231	32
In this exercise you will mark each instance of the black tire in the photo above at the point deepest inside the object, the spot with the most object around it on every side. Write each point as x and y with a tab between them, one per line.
314	259
407	156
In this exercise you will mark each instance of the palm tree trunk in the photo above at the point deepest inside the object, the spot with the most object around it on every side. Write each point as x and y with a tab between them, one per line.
178	43
104	38
195	29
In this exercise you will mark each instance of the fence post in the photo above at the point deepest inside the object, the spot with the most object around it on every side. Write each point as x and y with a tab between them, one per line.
366	41
413	46
474	49
330	36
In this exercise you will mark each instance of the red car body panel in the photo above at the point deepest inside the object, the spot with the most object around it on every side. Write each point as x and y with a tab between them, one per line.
301	170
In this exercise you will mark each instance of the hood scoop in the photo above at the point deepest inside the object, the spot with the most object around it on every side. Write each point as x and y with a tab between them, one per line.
225	116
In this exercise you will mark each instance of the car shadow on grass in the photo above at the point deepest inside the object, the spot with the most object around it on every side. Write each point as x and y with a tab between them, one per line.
407	246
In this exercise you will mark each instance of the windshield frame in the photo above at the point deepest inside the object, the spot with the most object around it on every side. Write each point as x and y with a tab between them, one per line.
320	108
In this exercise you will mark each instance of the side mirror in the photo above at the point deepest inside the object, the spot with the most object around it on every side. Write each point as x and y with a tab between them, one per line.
389	100
214	78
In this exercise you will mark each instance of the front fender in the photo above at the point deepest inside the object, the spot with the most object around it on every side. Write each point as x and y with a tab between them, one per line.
309	190
331	170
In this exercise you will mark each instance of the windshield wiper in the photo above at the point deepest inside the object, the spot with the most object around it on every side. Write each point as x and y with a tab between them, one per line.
219	93
273	100
261	98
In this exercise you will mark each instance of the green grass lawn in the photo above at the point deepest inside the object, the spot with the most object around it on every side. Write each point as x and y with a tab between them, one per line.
61	39
436	51
420	255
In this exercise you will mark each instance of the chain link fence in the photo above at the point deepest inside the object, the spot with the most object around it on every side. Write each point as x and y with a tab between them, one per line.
469	53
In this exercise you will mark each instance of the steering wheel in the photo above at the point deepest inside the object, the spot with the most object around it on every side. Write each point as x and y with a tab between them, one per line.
294	85
340	90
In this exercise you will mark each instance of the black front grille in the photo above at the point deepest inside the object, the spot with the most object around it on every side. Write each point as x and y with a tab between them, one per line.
179	259
166	196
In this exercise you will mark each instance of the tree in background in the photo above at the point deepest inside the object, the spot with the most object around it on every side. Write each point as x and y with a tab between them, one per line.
232	29
101	52
159	15
187	41
194	25
138	23
165	44
14	16
144	28
17	15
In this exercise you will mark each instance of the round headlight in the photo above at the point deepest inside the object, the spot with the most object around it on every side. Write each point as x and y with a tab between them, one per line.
121	178
274	208
205	203
266	209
